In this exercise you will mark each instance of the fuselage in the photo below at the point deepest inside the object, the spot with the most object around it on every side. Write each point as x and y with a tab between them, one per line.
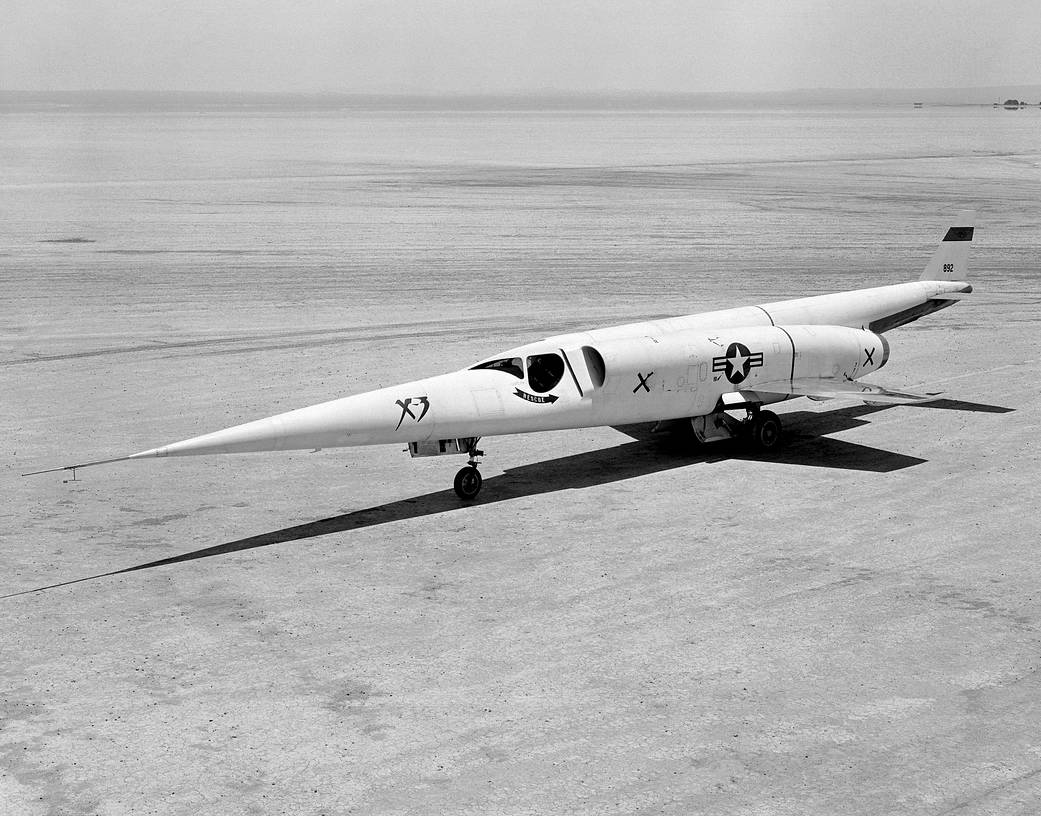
655	370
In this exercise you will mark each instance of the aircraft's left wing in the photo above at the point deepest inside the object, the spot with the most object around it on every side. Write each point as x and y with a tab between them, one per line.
822	389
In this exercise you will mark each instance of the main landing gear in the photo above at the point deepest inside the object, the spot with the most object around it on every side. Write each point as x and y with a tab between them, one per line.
763	430
468	481
760	430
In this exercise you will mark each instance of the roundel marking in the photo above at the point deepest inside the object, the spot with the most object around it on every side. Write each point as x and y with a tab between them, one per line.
737	362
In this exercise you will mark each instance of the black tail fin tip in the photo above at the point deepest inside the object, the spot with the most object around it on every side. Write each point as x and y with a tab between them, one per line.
959	234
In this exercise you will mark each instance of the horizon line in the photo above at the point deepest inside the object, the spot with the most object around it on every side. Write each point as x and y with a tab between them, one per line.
537	92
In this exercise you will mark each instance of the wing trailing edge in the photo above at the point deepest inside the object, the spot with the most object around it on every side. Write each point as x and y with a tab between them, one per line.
823	389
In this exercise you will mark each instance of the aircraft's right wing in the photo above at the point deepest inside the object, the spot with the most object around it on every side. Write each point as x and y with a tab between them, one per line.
823	389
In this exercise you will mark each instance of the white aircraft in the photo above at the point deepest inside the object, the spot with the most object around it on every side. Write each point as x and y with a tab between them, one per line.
715	370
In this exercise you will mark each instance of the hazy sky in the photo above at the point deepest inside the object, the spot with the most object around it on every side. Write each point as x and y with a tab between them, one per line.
520	45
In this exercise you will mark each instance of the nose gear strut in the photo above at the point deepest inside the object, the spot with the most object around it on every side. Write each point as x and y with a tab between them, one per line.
468	481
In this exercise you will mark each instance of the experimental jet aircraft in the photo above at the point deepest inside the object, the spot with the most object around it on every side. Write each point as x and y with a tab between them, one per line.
715	370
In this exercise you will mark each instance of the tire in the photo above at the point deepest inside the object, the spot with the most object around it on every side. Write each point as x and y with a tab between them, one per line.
765	432
468	483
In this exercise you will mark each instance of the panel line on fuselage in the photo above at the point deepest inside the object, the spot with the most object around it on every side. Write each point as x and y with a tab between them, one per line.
791	377
768	315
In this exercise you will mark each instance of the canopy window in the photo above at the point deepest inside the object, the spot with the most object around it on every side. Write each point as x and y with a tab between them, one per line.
544	372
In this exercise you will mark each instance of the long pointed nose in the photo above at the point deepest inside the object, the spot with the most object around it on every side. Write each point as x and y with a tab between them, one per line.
260	435
355	420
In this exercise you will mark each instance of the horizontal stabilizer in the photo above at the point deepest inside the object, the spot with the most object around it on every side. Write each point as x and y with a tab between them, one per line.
833	389
951	295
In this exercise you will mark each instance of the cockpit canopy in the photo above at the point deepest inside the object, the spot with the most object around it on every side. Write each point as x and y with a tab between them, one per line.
544	371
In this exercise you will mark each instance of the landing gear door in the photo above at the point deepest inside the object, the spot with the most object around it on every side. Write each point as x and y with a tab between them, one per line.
578	372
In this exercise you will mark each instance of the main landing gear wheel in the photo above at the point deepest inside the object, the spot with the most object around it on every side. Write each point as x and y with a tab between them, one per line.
764	432
468	483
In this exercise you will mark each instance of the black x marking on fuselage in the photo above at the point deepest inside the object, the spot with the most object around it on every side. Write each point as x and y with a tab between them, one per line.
643	382
869	354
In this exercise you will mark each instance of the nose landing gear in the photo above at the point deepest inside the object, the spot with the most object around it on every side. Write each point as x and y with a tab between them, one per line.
468	481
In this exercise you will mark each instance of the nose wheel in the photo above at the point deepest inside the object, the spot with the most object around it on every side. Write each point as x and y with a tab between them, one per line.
468	481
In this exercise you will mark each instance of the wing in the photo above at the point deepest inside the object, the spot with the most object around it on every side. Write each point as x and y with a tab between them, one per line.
822	389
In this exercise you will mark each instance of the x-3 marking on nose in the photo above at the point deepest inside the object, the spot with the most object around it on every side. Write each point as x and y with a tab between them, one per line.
406	409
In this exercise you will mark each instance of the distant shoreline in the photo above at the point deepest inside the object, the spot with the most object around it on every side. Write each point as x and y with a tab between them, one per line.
187	101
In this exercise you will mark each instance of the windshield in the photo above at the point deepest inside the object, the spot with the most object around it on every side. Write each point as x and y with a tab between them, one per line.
511	365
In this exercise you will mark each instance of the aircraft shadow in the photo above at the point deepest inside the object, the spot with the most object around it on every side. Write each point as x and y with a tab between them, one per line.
959	405
647	454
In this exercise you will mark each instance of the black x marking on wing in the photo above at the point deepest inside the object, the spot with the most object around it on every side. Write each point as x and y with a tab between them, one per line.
643	382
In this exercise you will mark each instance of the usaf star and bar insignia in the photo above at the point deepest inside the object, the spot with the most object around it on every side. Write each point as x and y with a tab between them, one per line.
737	362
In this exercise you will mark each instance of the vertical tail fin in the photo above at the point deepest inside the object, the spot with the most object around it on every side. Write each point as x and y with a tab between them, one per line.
950	262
